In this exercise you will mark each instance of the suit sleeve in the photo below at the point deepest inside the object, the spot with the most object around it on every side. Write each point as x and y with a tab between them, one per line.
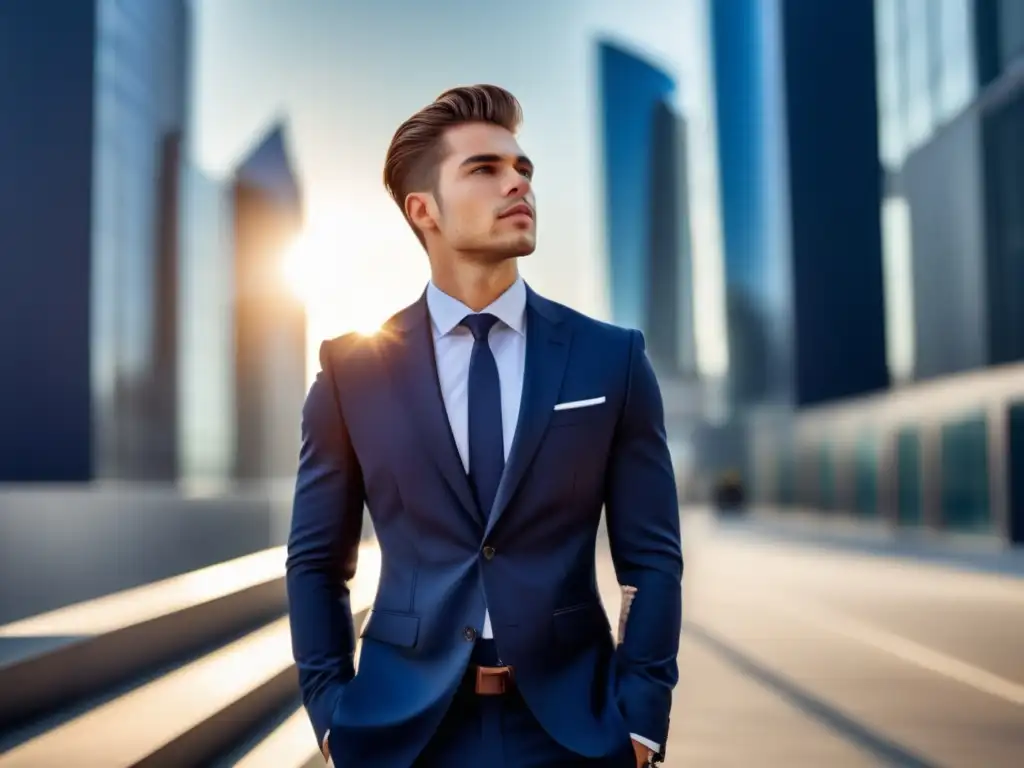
642	515
323	546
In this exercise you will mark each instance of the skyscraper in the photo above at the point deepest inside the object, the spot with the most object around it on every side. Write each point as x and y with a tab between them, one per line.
951	106
646	215
669	316
800	188
206	339
269	321
93	99
243	333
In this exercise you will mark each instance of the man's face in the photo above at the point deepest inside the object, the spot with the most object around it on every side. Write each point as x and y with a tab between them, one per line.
484	203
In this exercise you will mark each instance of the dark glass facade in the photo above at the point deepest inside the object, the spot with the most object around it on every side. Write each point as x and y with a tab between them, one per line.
140	116
748	128
947	450
1003	151
669	313
800	189
94	102
641	157
951	108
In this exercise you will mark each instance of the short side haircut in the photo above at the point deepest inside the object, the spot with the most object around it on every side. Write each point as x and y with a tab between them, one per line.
418	148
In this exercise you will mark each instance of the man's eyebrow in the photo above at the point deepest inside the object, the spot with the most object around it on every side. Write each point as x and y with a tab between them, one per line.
476	159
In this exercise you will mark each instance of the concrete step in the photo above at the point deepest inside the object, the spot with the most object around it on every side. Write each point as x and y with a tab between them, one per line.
62	656
195	713
289	745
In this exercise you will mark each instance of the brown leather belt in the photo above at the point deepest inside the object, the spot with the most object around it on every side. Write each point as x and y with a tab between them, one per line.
490	681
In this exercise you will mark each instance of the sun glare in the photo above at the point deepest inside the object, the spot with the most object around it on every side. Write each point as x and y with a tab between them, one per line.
352	270
338	298
307	266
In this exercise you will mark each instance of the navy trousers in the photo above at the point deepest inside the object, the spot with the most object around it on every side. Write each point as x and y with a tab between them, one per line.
501	732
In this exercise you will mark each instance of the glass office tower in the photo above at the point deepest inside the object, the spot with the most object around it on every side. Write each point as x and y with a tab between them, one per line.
951	145
799	182
646	206
206	368
93	100
269	320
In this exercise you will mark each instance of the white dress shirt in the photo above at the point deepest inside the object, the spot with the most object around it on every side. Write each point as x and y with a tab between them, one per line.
453	347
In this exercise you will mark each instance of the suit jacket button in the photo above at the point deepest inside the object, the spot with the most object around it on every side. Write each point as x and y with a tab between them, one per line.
489	553
469	633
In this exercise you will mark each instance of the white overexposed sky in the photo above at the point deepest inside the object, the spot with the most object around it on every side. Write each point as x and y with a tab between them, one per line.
345	73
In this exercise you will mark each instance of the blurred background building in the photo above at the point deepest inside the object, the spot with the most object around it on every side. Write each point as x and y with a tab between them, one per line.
269	323
646	206
150	343
813	209
851	170
647	222
873	245
94	100
866	167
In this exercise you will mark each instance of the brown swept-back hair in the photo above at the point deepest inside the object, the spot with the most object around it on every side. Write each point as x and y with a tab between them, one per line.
418	146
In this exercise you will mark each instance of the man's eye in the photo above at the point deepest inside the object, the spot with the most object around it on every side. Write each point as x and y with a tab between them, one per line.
527	172
483	169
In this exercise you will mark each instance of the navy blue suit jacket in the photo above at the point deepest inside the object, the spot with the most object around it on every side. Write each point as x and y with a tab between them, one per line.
375	432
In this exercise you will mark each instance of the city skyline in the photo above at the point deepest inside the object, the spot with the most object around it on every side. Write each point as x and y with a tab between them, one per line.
351	86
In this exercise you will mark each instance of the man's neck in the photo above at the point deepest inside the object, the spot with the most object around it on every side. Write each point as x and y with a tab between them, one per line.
476	285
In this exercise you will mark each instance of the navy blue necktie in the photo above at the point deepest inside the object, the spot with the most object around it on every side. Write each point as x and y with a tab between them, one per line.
486	443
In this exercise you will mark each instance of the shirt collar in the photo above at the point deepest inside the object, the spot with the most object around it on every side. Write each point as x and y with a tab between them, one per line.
446	312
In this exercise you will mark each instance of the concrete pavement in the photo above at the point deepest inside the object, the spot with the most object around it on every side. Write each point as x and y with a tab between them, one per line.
797	655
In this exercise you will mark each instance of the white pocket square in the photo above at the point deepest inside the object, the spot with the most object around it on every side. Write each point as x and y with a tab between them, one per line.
580	403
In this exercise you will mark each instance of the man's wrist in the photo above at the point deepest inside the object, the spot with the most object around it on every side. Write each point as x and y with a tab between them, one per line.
651	745
644	749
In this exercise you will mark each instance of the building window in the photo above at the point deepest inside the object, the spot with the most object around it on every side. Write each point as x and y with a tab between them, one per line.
890	82
919	94
1011	31
956	83
965	477
898	277
866	475
925	70
909	497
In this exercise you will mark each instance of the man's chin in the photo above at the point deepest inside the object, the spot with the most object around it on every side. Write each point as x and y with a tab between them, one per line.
526	250
499	250
522	247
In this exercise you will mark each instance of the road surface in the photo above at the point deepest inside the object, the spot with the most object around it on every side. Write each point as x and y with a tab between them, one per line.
799	656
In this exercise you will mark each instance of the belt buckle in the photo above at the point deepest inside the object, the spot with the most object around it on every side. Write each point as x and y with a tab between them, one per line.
493	681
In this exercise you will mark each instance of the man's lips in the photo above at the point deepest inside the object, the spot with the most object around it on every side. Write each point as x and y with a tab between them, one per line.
518	210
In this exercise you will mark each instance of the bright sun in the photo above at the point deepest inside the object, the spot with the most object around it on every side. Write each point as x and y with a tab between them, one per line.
317	273
352	267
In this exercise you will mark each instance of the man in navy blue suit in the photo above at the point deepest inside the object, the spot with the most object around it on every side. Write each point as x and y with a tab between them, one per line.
485	428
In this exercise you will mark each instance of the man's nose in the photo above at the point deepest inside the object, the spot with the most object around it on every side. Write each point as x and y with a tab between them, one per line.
517	185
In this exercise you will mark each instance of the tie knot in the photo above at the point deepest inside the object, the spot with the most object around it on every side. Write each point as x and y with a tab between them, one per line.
480	325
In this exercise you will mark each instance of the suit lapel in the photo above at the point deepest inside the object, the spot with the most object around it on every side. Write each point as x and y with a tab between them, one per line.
547	352
413	369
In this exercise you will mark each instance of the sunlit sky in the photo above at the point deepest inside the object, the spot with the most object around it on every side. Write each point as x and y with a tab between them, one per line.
345	73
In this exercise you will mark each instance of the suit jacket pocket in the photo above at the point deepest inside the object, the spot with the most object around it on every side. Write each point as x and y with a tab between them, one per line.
592	414
578	624
401	629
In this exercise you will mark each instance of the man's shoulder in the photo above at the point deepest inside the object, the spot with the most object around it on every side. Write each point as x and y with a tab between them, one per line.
345	347
590	326
359	358
356	345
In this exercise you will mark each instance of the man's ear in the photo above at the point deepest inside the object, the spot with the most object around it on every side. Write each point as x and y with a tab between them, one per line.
421	210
